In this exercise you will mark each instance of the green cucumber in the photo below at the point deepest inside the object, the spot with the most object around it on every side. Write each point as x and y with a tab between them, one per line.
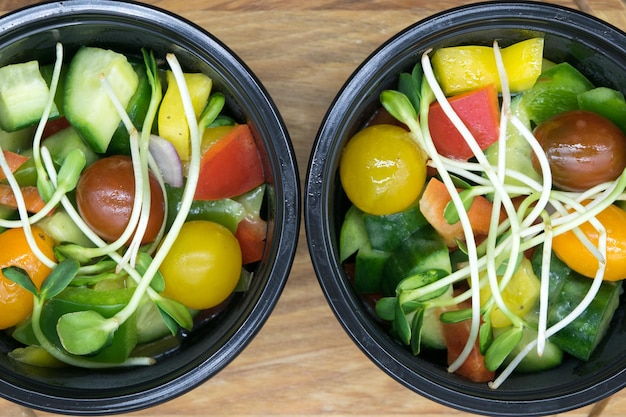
23	96
86	104
63	229
63	141
353	235
137	109
555	91
386	232
567	288
551	357
518	151
369	266
422	251
605	102
17	141
432	329
47	72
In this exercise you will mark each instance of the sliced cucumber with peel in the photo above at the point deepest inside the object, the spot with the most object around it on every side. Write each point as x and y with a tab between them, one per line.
87	105
23	96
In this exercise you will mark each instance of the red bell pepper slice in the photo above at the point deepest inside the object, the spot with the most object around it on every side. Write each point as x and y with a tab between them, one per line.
231	167
479	110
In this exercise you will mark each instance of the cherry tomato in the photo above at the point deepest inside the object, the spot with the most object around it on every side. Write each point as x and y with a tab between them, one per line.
203	266
105	194
583	148
15	302
575	255
382	169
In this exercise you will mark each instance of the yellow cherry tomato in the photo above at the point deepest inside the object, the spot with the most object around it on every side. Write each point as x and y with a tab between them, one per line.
575	255
203	266
15	302
382	169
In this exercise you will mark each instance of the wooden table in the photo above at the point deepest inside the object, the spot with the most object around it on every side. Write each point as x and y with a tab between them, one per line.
302	362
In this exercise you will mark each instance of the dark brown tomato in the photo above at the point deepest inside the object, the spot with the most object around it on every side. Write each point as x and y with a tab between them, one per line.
105	194
583	148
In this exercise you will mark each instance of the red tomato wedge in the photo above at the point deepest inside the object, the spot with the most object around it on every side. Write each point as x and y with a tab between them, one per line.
474	366
433	202
230	167
251	236
15	160
480	112
33	200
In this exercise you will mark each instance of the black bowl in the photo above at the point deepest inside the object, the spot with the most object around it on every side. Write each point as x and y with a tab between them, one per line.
31	33
591	45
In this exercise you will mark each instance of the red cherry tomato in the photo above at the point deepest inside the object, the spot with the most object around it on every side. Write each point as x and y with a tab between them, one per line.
105	194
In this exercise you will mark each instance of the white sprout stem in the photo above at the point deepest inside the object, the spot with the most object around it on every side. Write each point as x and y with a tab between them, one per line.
464	220
56	74
544	286
187	198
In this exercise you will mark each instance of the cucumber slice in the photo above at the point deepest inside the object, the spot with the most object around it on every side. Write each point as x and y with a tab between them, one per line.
387	231
552	355
137	110
369	267
87	105
432	329
23	96
62	142
353	235
422	251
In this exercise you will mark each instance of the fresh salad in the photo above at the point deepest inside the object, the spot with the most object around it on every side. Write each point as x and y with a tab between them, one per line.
130	207
487	217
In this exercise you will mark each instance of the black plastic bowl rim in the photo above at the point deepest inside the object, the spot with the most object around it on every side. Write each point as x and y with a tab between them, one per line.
202	355
599	50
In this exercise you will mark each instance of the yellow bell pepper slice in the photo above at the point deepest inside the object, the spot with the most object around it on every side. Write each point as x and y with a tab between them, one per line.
520	294
464	68
172	122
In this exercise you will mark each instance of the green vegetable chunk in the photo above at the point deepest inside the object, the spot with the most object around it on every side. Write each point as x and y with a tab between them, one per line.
23	96
107	304
87	105
606	102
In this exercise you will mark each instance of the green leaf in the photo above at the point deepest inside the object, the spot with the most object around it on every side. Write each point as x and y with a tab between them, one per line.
21	278
485	334
386	308
143	262
456	316
85	332
451	214
419	280
402	326
416	330
460	183
70	170
501	347
60	277
398	105
176	312
212	109
410	89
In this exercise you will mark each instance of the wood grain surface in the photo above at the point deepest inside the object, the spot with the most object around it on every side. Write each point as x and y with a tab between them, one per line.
302	362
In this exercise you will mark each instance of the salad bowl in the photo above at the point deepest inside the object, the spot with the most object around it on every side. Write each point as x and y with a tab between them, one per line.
196	355
592	46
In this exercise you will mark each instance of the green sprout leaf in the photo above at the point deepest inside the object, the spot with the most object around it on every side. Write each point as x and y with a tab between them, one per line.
386	308
399	106
21	278
85	332
60	277
143	261
485	334
402	325
174	311
456	316
416	330
70	170
451	214
410	85
212	109
501	347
